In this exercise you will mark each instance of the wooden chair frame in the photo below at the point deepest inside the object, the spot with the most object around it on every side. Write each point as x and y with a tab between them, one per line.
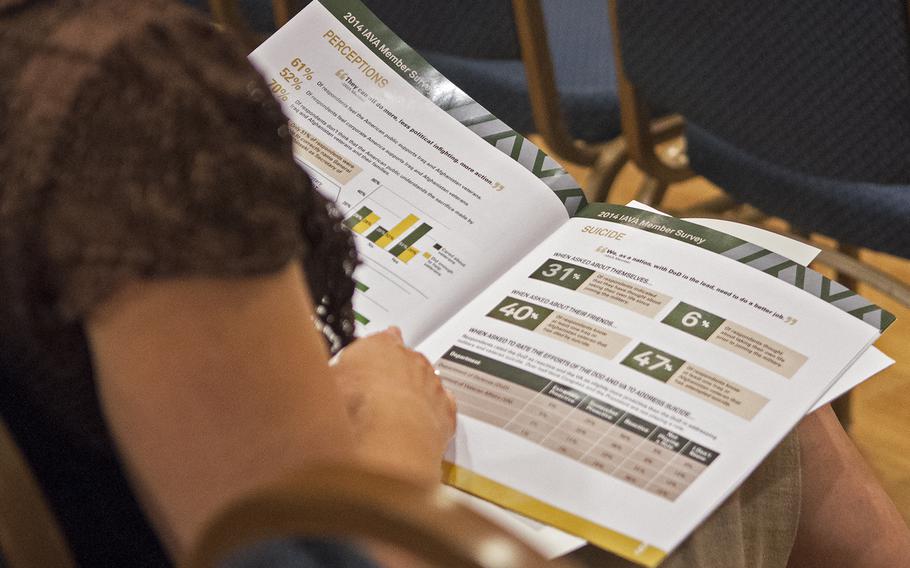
29	534
635	116
605	159
344	502
227	13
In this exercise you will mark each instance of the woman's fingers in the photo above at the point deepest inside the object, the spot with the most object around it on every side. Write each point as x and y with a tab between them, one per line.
395	332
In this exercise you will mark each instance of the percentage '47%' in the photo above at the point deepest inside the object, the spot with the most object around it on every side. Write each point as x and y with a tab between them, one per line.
653	362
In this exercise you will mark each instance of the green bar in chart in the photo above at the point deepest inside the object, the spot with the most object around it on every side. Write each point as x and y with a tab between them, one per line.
694	321
653	362
562	273
357	217
361	286
410	239
377	233
361	318
370	220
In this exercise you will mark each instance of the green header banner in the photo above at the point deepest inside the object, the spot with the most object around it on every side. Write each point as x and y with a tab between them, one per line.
382	41
747	253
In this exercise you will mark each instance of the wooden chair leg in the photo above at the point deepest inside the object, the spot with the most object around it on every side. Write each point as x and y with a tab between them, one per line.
847	279
614	155
612	158
651	192
842	407
352	503
30	536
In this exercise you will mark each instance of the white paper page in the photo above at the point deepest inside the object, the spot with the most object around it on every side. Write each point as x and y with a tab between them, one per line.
518	434
794	250
546	540
870	363
553	542
437	211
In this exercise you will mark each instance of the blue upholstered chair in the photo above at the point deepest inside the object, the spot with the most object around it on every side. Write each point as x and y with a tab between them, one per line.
800	109
541	66
475	44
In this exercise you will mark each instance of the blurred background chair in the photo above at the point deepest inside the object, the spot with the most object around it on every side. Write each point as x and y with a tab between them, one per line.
799	109
345	502
543	67
29	534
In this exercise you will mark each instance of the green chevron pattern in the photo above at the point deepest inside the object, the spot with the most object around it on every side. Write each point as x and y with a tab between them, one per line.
807	279
479	120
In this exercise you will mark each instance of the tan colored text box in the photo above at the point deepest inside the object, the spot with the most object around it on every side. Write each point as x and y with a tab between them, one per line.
577	332
758	348
625	294
332	163
718	391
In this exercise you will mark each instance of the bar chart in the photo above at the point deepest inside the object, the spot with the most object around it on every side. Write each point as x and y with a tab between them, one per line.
396	232
405	249
404	257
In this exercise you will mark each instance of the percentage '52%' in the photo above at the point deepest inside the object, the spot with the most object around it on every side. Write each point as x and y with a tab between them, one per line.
293	75
296	73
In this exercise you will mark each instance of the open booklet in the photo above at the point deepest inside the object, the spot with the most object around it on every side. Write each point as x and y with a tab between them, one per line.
619	372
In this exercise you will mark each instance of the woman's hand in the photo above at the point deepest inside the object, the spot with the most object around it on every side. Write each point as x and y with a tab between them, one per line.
403	418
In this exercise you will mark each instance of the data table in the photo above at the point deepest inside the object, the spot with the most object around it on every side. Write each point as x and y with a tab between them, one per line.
570	422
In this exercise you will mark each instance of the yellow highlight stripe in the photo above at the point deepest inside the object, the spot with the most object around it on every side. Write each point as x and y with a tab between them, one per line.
396	231
365	223
617	543
408	254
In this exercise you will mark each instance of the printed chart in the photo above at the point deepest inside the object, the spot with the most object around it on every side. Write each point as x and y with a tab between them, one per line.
621	290
565	420
365	222
405	233
644	358
400	257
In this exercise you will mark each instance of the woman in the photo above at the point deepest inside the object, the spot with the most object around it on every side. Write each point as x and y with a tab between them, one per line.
163	259
161	262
